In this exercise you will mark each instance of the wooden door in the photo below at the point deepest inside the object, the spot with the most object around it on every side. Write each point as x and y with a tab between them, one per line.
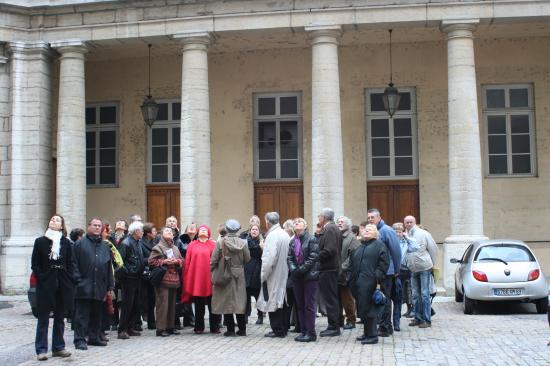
285	198
162	201
395	199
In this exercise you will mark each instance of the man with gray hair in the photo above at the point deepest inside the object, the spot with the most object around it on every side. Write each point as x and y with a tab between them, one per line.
273	276
330	247
349	244
129	274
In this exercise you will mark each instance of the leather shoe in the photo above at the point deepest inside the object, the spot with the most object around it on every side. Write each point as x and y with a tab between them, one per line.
81	346
274	335
215	331
241	332
103	337
97	343
396	328
362	337
424	325
138	328
162	333
305	338
370	340
348	326
229	334
414	323
330	333
383	333
42	357
61	353
133	333
173	331
260	320
123	335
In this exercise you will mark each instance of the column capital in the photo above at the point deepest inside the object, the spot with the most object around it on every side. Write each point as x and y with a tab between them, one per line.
459	28
70	48
25	47
324	33
199	40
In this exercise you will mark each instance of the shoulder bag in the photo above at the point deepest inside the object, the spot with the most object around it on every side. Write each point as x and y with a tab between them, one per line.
156	274
221	275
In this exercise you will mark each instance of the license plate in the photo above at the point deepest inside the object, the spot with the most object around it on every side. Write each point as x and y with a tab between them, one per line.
507	291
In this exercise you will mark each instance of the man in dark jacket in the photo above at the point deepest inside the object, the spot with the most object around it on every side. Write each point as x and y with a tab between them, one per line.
147	301
330	247
388	236
93	277
130	273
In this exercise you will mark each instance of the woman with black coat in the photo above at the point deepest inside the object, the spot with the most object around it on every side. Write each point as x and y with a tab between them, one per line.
52	265
368	265
253	268
303	266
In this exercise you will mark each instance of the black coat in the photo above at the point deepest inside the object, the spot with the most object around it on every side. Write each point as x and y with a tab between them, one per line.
309	270
54	286
368	266
92	268
146	248
132	255
253	268
330	248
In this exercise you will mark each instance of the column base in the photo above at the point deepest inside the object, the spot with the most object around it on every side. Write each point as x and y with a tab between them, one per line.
454	247
15	264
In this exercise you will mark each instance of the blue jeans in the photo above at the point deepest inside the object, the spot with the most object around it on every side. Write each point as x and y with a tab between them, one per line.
420	282
41	340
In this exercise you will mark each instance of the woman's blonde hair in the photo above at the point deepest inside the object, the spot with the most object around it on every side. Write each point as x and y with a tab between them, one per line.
374	230
301	220
398	226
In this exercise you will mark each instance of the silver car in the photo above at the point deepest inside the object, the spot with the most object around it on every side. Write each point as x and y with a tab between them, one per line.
499	270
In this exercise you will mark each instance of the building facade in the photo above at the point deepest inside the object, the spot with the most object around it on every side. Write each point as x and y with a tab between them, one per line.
275	106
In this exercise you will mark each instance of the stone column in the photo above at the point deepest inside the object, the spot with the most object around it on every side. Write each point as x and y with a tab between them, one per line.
195	159
327	174
4	145
71	134
30	158
465	174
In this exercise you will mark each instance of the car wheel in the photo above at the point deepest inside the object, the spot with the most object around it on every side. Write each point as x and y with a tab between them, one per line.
542	305
458	296
469	305
34	312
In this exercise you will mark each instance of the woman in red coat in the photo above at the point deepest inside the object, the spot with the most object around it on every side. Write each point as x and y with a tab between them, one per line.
196	279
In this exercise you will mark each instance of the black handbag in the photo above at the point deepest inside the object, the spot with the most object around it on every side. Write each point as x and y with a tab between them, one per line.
156	275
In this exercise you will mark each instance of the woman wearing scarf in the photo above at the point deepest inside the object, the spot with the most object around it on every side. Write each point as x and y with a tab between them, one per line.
230	298
53	267
368	265
303	266
197	281
253	268
165	253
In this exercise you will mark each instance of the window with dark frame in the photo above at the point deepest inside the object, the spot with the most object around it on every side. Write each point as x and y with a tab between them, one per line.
102	144
509	128
164	144
391	141
277	151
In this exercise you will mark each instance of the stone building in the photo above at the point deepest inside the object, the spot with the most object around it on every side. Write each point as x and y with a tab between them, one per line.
275	105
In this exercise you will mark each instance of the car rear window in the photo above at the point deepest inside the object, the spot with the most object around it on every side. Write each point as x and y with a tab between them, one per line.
506	252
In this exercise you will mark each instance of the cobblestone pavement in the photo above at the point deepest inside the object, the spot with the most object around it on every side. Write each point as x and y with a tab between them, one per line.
498	335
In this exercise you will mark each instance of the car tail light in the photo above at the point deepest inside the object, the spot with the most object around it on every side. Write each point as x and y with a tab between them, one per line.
533	275
480	276
32	280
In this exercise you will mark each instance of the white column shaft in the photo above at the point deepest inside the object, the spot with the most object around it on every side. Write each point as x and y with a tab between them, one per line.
71	137
465	180
327	176
465	175
195	158
30	158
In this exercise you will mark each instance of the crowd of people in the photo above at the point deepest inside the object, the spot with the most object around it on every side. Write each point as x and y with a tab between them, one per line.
104	279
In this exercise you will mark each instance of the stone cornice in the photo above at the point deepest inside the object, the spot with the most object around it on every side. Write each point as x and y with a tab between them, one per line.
426	14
